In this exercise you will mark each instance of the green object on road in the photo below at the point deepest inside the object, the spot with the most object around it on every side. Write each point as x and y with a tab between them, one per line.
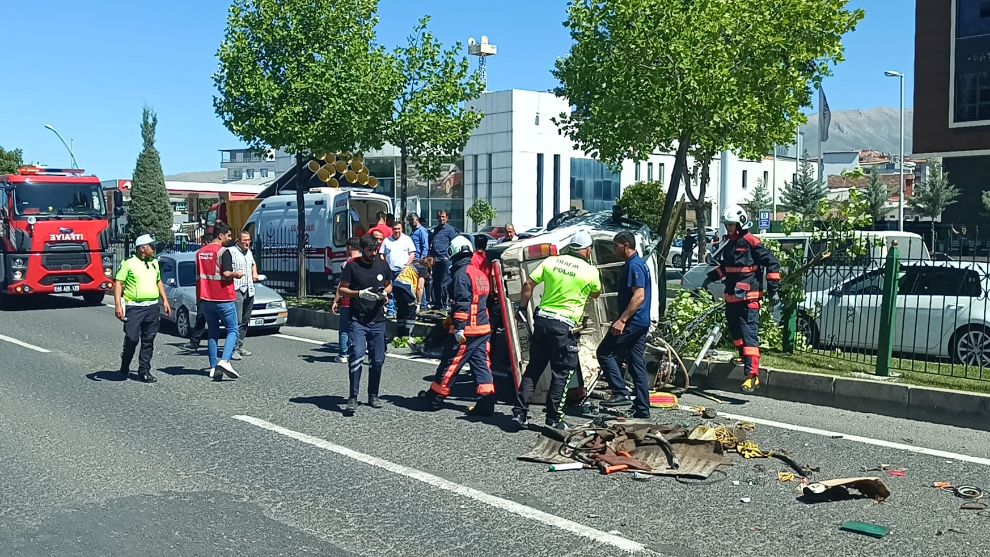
887	317
865	528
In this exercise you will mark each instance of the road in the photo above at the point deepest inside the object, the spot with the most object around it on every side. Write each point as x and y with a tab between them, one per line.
267	465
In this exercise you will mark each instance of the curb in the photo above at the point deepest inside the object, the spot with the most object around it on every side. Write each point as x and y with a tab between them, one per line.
927	404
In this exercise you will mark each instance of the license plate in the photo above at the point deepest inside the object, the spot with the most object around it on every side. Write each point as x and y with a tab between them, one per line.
66	288
257	322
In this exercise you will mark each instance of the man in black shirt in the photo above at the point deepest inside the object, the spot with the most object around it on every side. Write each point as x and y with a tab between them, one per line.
367	281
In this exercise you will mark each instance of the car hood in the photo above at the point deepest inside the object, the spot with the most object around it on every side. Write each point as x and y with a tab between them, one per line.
262	294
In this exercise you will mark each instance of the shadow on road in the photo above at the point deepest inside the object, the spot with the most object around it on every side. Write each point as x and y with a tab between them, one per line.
176	371
331	403
113	375
31	303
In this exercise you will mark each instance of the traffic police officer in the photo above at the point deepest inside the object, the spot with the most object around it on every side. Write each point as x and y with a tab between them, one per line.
741	266
568	281
470	332
137	294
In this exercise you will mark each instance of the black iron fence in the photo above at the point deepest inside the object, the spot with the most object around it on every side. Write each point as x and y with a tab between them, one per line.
938	320
276	254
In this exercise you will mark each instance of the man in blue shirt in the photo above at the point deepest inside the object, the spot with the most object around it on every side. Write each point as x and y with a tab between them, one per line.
440	239
420	237
626	339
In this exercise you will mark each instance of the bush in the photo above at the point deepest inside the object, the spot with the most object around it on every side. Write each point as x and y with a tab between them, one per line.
690	318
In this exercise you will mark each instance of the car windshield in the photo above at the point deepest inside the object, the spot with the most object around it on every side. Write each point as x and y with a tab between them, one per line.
187	273
54	200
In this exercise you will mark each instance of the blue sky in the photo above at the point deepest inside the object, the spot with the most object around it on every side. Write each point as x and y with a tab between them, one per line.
88	68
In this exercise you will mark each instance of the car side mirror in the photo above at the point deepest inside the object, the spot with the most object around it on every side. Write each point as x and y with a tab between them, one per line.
118	203
170	282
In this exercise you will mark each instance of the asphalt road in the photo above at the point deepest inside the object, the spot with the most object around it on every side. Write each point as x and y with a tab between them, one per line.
267	465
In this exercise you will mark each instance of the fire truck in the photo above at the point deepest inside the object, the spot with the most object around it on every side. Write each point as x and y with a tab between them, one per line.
54	234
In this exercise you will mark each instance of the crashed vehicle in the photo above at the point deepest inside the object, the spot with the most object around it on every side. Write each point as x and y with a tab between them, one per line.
513	262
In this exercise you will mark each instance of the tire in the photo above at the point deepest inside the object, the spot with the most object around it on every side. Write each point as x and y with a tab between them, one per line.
806	326
970	346
676	261
93	298
182	324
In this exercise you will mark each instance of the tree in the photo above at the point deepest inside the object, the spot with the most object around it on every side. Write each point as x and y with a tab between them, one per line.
644	75
305	76
761	199
644	202
431	123
876	196
934	195
805	194
10	160
481	212
150	211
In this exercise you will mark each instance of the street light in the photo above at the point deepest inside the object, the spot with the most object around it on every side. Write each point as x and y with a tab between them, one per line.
900	196
50	128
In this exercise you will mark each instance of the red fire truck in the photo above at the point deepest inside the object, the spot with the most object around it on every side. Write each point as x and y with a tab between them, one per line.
54	234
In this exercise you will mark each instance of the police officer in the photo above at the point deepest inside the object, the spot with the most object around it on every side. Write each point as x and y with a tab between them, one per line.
137	294
568	281
470	332
742	265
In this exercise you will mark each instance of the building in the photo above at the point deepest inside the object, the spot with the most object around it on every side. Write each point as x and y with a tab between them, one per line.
249	164
952	97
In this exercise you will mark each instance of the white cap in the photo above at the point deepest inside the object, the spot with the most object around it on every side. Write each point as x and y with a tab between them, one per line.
580	240
144	240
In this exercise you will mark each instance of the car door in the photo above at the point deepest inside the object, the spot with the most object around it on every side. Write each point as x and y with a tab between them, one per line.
850	317
932	305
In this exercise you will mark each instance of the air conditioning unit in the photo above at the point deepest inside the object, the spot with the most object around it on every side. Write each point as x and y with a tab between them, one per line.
271	155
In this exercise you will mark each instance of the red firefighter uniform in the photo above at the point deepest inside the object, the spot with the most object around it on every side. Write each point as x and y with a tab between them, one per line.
742	266
470	333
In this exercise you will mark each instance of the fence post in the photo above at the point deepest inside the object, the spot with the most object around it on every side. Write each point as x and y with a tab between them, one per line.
887	316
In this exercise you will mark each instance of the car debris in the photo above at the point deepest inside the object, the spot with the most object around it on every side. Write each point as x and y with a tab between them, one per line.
833	490
865	528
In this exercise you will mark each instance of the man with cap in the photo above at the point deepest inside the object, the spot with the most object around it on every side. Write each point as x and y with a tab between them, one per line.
568	281
137	294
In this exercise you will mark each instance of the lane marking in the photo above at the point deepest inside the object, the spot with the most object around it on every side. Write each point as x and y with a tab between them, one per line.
24	344
855	438
300	339
387	355
455	488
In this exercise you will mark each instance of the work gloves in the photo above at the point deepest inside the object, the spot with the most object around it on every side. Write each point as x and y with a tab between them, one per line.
460	337
370	295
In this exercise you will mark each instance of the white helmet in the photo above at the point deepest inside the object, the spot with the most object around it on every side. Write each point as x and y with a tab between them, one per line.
734	214
459	246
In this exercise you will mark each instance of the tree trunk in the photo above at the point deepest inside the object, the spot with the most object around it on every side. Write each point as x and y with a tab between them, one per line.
403	189
699	210
680	163
301	180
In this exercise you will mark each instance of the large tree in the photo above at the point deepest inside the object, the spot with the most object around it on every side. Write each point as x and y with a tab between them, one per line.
305	76
760	199
805	194
644	202
10	160
644	75
431	122
876	196
149	211
932	196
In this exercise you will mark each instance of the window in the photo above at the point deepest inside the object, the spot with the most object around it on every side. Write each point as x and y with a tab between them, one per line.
236	174
556	184
187	273
474	159
264	172
168	270
488	194
766	178
870	284
663	172
594	186
940	281
649	172
249	173
971	64
340	232
639	167
539	189
745	179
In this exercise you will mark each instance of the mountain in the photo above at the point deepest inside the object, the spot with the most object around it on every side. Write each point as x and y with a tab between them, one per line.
208	177
852	130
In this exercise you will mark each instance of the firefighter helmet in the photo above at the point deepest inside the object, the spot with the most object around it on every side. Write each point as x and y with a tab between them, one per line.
459	246
734	214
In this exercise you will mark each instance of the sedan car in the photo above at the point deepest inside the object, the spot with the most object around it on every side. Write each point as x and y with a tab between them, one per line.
179	275
941	310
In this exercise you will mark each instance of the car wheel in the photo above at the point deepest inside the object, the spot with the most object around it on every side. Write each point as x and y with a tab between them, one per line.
806	327
971	346
676	260
182	325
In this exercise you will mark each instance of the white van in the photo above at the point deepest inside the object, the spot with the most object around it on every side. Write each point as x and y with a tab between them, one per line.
835	271
332	216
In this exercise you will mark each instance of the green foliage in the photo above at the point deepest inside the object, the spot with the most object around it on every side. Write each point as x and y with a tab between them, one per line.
935	194
644	202
854	174
305	76
986	201
643	74
430	120
760	200
481	212
876	196
690	318
149	211
805	194
10	160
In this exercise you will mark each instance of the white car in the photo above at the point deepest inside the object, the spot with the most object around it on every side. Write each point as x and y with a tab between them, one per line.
941	310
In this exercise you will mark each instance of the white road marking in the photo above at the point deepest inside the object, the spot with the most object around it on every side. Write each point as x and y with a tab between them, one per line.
300	339
856	438
24	344
455	488
387	355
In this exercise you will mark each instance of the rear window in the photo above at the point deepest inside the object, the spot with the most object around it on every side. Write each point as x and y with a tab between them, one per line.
362	215
187	273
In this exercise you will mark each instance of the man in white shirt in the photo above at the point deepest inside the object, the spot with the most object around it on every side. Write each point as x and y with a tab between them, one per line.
399	251
243	261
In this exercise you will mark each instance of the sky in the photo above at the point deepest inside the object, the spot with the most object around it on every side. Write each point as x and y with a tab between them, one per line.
101	62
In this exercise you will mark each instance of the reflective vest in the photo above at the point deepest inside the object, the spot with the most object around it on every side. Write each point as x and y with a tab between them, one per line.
469	306
213	287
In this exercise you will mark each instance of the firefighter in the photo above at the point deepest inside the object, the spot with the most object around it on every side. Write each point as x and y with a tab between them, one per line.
470	332
742	266
568	281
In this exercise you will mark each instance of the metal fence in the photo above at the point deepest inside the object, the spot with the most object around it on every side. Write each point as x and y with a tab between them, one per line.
276	254
938	301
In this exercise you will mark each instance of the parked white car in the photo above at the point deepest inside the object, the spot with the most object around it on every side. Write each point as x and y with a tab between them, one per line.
941	310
